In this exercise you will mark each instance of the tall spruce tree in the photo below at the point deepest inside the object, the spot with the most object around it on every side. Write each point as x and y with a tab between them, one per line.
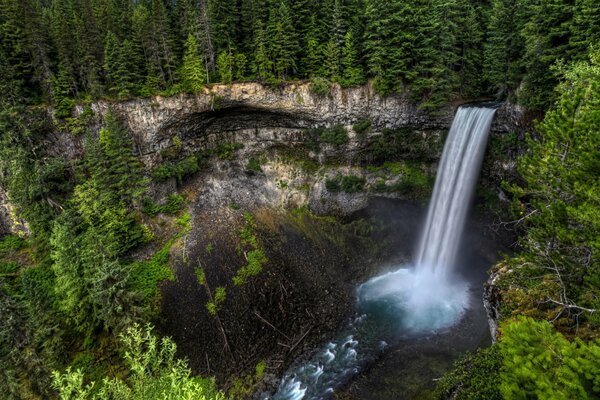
192	72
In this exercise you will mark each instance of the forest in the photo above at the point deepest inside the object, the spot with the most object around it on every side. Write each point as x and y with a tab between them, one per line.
76	306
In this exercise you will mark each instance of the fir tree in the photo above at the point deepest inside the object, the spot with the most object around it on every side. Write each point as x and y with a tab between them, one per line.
353	72
225	66
192	71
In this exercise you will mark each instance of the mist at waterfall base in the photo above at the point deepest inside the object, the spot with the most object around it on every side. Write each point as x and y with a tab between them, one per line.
412	300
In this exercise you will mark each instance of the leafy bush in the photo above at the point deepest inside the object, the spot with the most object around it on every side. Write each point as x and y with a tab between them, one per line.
154	373
336	135
362	127
473	377
11	243
348	184
253	166
179	170
174	204
320	86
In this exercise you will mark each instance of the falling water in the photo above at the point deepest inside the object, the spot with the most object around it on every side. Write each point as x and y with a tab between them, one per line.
454	187
410	301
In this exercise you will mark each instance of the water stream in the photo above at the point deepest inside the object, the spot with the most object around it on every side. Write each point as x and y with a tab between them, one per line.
411	301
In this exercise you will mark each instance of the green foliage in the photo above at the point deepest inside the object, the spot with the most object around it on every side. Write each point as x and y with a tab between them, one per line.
320	86
559	209
473	377
225	66
346	183
336	135
174	204
362	127
256	259
11	243
185	222
219	297
538	362
253	166
192	72
244	387
146	275
178	170
154	373
63	103
200	276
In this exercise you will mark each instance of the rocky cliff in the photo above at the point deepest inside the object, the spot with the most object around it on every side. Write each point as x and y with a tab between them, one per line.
262	118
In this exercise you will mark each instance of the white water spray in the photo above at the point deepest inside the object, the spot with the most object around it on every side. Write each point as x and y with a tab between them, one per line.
455	182
428	297
410	301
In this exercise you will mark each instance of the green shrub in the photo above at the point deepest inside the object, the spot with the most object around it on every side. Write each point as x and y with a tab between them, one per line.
348	184
473	377
352	184
219	297
253	166
174	204
146	275
11	243
256	260
179	170
336	135
362	127
320	86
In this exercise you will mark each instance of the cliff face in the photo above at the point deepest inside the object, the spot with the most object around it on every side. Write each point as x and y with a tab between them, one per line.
262	118
225	108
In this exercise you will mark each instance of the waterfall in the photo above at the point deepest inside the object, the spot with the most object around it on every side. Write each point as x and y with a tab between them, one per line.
410	301
455	182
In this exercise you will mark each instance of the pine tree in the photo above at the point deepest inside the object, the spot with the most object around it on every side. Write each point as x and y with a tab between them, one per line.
353	72
313	60
547	38
63	102
262	65
504	47
224	22
283	41
585	29
331	66
225	66
192	71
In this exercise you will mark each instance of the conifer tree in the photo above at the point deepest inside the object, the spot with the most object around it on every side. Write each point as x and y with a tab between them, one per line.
192	71
283	40
225	66
331	66
353	72
262	65
313	59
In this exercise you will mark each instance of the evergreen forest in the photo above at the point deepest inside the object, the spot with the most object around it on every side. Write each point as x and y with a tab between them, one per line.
78	295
